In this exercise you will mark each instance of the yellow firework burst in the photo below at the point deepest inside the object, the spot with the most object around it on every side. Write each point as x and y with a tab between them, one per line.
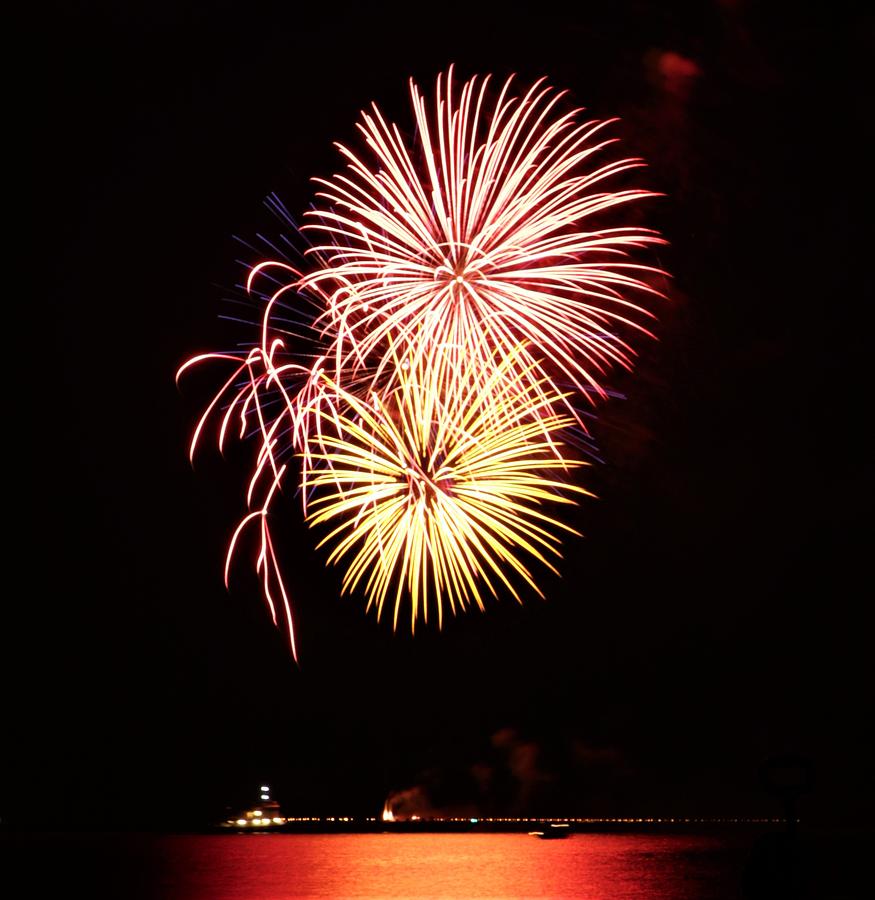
439	490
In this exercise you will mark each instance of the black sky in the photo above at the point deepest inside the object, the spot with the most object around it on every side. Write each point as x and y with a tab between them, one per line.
714	615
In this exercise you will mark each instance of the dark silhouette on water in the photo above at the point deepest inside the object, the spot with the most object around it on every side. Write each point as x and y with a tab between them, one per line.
781	864
553	831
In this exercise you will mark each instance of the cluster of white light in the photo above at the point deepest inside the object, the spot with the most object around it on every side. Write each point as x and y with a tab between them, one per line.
258	821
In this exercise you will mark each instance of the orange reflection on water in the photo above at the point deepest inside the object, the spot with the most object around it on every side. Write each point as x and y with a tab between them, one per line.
588	866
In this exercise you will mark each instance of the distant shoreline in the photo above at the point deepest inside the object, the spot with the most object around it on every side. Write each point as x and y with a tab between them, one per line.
475	825
352	825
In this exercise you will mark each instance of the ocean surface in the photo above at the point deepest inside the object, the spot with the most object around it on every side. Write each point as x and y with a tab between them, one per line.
281	867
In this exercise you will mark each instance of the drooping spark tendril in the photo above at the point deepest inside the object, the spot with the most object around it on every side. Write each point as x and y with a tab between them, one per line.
469	297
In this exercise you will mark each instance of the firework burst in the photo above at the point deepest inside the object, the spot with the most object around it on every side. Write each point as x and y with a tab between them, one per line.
467	300
487	225
438	494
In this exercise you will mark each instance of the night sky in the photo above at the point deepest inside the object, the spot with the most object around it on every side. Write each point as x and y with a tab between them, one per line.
714	614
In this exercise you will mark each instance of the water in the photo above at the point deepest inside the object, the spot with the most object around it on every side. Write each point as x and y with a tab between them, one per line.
281	867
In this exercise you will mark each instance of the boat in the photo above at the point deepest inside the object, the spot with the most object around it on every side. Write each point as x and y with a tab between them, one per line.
553	831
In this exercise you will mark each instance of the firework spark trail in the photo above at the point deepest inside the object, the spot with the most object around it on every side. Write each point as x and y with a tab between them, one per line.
258	381
456	285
